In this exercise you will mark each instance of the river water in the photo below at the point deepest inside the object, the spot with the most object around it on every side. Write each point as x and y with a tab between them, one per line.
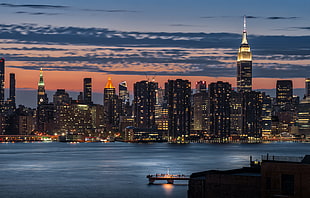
118	170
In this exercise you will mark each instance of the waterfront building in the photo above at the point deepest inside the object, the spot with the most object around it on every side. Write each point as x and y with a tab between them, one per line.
45	118
25	120
42	96
178	94
111	105
252	112
87	91
274	176
236	114
200	111
144	104
303	117
244	64
266	115
219	110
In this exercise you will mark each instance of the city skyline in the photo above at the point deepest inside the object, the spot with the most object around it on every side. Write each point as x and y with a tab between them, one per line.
203	48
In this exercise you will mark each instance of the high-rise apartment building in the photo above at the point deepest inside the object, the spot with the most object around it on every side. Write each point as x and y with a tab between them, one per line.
219	110
244	64
2	73
284	93
178	94
123	93
200	107
12	97
87	91
201	86
144	104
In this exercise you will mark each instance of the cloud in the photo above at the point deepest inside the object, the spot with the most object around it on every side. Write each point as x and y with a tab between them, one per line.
181	25
252	17
110	11
281	18
303	28
36	13
134	53
35	48
34	6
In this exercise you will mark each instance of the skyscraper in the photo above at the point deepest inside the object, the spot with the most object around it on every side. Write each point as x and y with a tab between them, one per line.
201	86
144	104
87	91
307	81
284	93
2	63
178	94
124	98
200	106
12	91
244	64
123	92
111	106
219	110
42	97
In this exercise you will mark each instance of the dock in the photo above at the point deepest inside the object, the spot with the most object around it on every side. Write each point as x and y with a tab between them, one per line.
170	178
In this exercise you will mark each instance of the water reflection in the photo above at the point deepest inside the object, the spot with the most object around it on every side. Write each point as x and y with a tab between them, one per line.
168	189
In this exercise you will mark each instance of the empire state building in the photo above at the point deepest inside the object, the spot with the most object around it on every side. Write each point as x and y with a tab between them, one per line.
244	64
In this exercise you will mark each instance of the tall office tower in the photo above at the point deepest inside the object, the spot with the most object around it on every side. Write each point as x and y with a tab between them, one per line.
87	91
284	95
178	94
42	97
111	106
144	104
201	86
307	81
219	110
244	64
200	107
266	115
123	94
236	114
252	112
12	97
303	117
2	63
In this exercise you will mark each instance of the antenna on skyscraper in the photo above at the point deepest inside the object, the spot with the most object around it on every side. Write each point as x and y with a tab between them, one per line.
244	23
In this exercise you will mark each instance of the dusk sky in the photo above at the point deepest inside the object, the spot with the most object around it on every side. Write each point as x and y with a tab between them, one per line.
133	40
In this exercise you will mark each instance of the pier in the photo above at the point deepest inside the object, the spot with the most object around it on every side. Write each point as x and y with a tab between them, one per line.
170	178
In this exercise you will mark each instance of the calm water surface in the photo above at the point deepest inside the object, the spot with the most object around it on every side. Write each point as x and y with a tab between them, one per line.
118	170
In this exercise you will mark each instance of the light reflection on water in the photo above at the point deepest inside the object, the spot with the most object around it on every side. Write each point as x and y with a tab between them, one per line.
118	169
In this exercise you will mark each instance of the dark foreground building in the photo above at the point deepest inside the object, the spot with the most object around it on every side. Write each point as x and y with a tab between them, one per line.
273	177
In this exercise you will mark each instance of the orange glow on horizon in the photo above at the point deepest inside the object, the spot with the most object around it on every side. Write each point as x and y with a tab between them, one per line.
73	80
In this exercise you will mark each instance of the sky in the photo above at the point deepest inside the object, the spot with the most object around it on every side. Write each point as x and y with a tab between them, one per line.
135	40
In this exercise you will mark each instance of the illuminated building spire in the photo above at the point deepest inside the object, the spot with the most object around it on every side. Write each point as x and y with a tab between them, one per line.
244	63
42	97
244	34
41	81
109	84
